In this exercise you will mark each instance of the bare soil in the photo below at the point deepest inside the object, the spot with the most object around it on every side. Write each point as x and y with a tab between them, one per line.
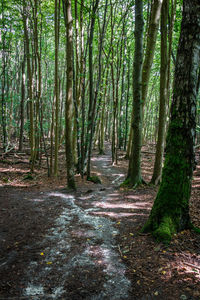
55	244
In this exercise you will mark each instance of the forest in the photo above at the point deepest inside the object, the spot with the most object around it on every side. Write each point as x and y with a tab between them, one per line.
99	149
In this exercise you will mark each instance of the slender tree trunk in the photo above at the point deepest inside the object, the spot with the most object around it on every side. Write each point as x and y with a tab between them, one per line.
171	27
69	97
3	102
163	96
30	86
102	127
57	100
121	110
127	102
91	88
76	76
170	212
150	48
52	136
23	80
134	177
82	88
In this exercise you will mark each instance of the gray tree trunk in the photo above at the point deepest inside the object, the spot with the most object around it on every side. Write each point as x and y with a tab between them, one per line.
69	98
134	177
163	96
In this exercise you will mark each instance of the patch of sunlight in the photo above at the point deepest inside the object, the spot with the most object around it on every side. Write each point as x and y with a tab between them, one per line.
124	205
61	195
115	215
196	185
83	233
101	158
88	197
33	290
12	170
36	200
114	194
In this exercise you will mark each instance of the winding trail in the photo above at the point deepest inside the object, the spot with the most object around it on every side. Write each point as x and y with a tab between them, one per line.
80	257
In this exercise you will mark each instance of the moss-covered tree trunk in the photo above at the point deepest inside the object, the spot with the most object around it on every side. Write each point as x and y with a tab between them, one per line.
170	212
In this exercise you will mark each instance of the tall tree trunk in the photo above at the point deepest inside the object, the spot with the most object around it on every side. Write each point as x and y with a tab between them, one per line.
82	88
69	97
3	102
76	75
151	44
30	86
57	100
134	177
102	127
23	79
171	27
163	96
170	212
127	102
91	88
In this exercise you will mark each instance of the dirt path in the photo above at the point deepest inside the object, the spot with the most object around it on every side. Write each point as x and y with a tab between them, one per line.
86	245
77	257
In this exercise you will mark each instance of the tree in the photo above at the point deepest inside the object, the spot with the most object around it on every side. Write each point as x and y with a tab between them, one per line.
69	98
56	28
151	45
30	84
170	212
134	177
163	96
92	104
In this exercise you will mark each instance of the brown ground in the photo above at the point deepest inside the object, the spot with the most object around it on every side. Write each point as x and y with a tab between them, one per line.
87	245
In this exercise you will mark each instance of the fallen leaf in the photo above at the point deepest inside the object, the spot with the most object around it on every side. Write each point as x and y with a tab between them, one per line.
42	253
156	293
163	272
49	262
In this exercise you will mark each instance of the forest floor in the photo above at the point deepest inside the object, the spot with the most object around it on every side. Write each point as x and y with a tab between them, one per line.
87	244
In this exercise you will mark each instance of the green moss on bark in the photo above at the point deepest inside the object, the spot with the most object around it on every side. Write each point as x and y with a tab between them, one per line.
170	212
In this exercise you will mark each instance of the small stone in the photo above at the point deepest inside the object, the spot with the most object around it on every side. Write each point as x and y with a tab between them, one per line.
183	297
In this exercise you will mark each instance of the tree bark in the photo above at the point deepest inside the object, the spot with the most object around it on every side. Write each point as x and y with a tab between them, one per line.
134	177
163	96
23	79
170	212
30	86
91	89
57	100
151	44
69	98
3	102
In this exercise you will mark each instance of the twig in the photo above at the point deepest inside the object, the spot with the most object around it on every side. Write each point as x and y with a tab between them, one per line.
120	251
191	265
